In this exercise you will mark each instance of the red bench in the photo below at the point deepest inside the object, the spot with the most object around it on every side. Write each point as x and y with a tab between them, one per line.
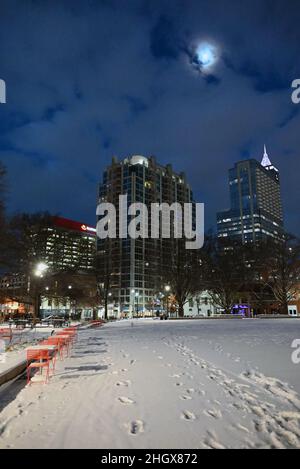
97	323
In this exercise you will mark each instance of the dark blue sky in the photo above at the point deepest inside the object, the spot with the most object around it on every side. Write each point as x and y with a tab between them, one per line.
90	79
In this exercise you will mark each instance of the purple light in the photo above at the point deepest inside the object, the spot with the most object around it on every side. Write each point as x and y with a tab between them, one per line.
240	309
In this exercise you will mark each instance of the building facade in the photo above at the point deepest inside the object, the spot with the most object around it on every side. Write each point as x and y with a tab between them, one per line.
64	245
255	212
135	265
70	244
201	306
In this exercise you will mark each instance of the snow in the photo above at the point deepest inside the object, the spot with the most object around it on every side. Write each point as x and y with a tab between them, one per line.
21	340
164	384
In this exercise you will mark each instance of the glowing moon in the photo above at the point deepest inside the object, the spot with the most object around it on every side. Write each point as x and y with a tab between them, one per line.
206	55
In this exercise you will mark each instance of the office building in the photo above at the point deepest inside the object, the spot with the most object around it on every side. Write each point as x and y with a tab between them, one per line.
255	212
69	245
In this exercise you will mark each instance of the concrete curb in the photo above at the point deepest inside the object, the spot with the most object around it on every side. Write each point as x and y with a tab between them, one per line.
12	372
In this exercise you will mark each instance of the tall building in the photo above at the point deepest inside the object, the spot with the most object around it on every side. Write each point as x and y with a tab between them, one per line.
70	244
255	210
64	244
135	265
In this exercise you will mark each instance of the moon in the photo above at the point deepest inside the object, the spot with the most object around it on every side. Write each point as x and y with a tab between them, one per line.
206	55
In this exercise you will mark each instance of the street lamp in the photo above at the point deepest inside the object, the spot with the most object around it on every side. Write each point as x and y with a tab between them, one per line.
167	289
40	269
137	303
136	296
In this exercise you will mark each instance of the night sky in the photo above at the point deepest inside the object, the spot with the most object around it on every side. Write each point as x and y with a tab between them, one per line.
90	79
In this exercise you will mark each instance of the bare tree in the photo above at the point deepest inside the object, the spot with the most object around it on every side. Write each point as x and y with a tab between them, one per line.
5	237
225	271
80	288
103	274
283	264
182	273
258	291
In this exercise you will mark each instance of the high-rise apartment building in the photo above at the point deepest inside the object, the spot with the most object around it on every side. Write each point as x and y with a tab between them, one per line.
256	208
135	265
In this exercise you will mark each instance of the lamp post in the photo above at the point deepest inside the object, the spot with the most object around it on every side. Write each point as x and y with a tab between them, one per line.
39	271
137	303
109	295
167	289
136	300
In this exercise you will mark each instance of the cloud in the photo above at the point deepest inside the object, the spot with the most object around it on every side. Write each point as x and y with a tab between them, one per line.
87	80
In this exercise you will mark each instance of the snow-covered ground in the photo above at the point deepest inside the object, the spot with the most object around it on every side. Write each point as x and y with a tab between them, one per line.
165	384
21	340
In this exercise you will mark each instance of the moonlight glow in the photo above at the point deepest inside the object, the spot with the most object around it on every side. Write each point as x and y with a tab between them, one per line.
206	55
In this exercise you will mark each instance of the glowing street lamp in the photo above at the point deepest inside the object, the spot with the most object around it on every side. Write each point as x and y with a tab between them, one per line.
167	289
40	269
136	296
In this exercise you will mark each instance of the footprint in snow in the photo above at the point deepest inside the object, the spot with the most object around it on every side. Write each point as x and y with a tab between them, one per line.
123	383
213	444
125	400
217	414
184	397
187	415
238	426
136	427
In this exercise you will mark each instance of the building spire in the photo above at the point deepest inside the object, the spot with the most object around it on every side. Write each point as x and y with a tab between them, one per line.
266	160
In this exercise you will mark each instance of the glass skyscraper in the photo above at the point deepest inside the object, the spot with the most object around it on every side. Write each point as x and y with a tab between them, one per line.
255	210
135	265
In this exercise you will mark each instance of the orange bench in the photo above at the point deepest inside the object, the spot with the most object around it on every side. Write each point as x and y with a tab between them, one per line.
38	359
97	323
